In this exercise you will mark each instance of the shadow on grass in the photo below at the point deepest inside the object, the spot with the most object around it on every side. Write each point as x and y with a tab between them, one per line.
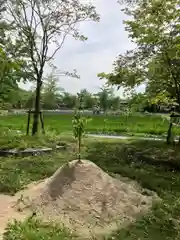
124	158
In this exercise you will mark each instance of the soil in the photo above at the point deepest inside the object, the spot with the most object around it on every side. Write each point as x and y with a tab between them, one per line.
8	212
81	196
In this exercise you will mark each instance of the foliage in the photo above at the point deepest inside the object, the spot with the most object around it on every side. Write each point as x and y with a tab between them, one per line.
137	102
125	73
115	103
8	81
104	99
55	97
51	92
15	66
154	27
39	24
89	100
79	123
68	100
23	99
105	96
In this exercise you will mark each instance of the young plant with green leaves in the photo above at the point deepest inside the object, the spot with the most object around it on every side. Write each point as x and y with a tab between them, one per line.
79	122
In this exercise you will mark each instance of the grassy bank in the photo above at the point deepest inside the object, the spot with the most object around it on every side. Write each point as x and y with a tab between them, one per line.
126	125
115	157
12	140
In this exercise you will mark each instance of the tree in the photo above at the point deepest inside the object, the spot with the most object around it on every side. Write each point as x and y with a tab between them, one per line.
39	24
156	60
126	73
69	100
22	98
88	99
8	81
104	96
138	102
51	93
13	65
115	103
7	66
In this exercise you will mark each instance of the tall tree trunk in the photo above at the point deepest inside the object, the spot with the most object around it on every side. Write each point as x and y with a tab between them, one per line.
37	108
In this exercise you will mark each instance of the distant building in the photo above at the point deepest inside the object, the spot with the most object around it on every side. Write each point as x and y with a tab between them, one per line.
123	104
62	106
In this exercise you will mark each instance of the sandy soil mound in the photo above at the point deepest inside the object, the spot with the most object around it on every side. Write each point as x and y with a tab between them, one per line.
8	212
87	199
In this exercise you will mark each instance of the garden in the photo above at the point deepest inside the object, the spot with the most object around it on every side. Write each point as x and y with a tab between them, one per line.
151	168
109	175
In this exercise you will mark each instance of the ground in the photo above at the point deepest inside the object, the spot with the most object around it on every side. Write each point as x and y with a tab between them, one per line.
138	124
154	165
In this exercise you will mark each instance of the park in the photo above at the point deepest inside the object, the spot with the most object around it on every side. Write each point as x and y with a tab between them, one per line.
152	164
91	165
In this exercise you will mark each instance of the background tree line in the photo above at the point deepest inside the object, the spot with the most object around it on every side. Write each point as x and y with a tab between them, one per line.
55	97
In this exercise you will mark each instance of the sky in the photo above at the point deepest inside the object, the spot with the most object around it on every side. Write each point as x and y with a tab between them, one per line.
106	39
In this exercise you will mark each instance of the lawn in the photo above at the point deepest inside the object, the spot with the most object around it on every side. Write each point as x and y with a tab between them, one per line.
122	125
128	159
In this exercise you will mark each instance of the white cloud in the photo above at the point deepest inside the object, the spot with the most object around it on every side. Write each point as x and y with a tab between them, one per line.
106	40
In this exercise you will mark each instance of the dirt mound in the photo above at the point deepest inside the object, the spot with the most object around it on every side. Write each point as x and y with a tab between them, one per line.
85	198
8	212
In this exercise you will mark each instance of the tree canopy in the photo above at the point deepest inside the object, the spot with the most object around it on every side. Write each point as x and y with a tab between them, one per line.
154	27
40	24
51	92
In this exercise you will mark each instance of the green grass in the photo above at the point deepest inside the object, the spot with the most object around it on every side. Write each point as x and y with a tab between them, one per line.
132	125
15	173
15	141
33	229
115	157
